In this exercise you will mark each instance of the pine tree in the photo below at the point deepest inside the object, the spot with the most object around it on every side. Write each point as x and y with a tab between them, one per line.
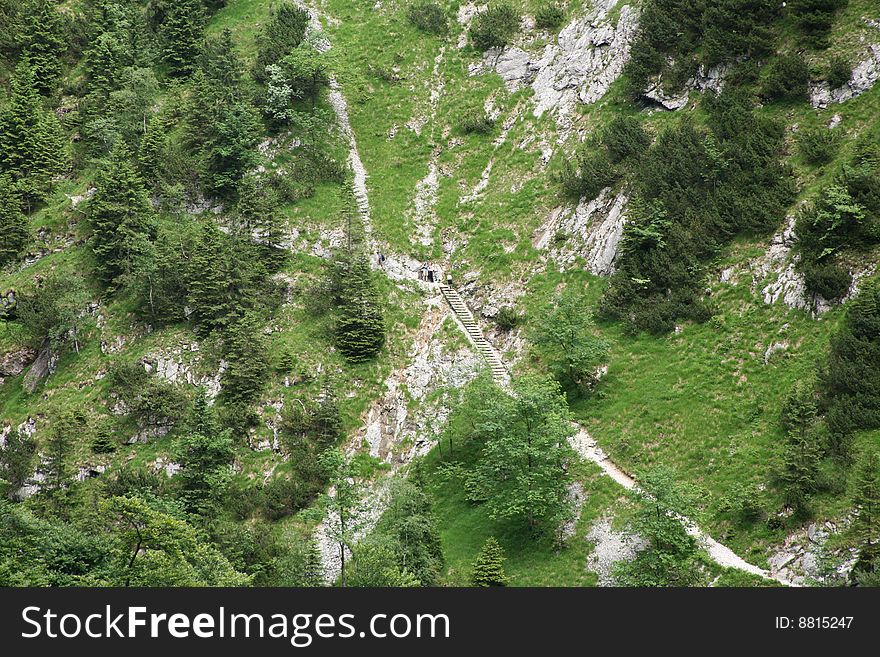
13	223
489	566
865	527
31	141
360	328
247	357
59	450
122	219
151	148
41	33
104	441
284	32
802	452
209	280
256	212
180	34
313	568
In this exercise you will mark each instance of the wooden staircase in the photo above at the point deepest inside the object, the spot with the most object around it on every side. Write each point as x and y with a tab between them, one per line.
475	335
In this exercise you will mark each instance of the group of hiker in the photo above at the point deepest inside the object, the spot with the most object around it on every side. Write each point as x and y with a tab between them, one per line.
427	272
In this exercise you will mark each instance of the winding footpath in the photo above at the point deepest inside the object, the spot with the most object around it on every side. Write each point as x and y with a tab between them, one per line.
400	268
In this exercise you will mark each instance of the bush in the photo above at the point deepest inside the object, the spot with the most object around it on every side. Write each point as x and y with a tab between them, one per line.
428	17
818	146
814	18
839	72
787	78
549	17
476	120
827	279
625	138
507	318
495	27
593	172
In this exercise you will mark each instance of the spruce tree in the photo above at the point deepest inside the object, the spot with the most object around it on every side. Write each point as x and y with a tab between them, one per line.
489	566
284	32
180	34
31	142
801	455
360	328
13	223
209	281
256	212
247	357
41	35
122	219
865	527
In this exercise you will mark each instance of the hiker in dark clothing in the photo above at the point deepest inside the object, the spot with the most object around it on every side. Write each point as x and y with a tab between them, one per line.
449	279
430	275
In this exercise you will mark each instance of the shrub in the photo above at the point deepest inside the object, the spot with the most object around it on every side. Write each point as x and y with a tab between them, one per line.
787	78
814	18
818	146
507	318
839	72
590	175
624	138
428	17
476	120
827	279
495	27
549	16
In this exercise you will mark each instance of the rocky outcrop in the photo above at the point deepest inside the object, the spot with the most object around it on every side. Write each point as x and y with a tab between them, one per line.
711	79
15	362
583	63
591	231
609	549
776	274
180	365
43	366
863	77
804	557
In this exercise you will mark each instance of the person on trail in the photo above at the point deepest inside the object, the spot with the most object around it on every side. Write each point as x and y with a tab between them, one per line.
430	274
449	279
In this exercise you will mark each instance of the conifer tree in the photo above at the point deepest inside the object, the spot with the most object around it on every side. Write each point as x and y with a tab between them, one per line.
13	223
865	527
180	34
247	358
122	219
285	31
41	35
360	328
800	467
31	143
489	566
150	151
209	280
256	212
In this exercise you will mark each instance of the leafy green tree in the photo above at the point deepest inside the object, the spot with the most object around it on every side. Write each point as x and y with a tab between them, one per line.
523	469
32	148
13	223
565	336
865	527
285	31
488	569
669	556
344	509
408	524
180	34
17	459
51	312
152	547
374	564
122	219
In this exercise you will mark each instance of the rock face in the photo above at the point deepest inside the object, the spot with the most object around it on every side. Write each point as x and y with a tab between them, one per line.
863	77
581	66
804	558
705	79
15	362
174	367
788	285
611	548
591	231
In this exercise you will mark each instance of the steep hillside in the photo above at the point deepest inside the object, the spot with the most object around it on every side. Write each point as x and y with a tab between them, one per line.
660	221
